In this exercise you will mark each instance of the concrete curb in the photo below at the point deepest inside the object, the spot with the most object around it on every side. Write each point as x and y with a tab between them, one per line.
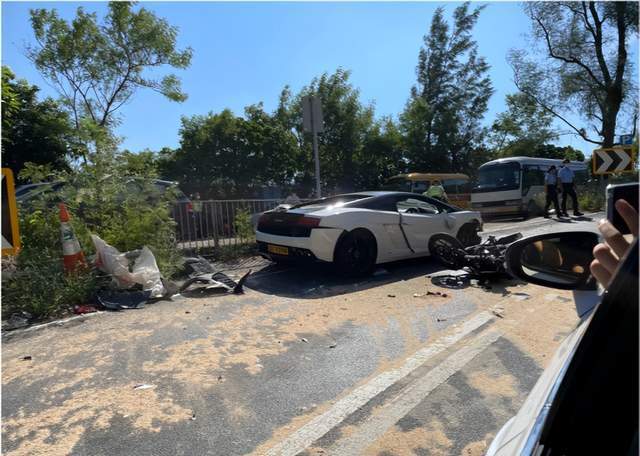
18	332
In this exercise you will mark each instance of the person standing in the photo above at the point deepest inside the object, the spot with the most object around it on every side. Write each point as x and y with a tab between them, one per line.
551	187
568	189
436	191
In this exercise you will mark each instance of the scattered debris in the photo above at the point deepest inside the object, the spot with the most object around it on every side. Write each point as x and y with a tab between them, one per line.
431	293
391	296
84	309
198	266
17	320
193	416
520	296
304	340
440	319
143	386
216	283
120	300
187	312
497	314
219	378
333	345
27	358
553	297
144	270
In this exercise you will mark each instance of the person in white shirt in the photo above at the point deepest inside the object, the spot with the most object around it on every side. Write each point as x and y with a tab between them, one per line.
566	179
551	187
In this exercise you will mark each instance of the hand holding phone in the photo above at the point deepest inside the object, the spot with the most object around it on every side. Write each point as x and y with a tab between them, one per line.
622	218
627	192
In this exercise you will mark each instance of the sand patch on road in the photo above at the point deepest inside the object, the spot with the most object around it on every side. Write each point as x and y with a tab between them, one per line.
56	430
430	438
503	385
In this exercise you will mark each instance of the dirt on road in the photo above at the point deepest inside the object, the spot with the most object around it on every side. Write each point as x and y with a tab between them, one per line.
81	379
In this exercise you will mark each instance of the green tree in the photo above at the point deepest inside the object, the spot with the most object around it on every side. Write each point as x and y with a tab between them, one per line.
581	66
347	123
223	155
143	163
442	119
522	128
381	155
558	152
32	131
97	67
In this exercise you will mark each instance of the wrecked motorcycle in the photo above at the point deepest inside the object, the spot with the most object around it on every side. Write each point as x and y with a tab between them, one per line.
484	261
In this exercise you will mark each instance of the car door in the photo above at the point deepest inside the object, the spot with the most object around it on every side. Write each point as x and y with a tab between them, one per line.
384	221
419	220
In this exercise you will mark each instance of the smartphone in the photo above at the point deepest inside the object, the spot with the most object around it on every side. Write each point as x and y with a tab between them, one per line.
627	192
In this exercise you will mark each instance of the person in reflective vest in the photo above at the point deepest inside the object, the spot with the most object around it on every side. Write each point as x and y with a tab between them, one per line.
436	190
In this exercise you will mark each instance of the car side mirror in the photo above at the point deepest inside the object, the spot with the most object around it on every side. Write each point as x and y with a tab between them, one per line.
555	260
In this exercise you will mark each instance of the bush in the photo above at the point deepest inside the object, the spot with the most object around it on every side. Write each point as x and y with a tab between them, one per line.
38	285
42	289
105	197
244	227
591	199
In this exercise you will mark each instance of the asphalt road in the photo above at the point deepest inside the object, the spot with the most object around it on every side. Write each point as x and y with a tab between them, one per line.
304	363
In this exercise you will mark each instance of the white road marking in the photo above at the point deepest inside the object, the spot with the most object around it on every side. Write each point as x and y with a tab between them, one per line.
319	426
375	426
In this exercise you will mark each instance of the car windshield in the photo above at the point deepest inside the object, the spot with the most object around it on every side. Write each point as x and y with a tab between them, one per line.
504	176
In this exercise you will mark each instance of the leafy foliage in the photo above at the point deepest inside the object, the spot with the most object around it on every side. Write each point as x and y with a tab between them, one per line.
522	128
32	131
39	285
97	67
223	155
581	66
126	211
243	225
442	119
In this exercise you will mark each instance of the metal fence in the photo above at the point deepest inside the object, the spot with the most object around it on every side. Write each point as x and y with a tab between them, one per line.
218	223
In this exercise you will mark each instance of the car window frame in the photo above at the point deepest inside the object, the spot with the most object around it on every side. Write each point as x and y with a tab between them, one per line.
561	402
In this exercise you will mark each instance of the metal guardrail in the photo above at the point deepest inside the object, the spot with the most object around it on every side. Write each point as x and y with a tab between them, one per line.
218	223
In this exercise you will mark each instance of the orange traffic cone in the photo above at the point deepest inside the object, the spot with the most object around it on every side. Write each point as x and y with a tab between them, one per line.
71	251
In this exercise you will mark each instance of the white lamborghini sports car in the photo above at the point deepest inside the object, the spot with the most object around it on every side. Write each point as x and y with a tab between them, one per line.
356	231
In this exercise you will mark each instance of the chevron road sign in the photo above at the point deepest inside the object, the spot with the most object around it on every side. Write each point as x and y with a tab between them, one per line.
10	235
611	160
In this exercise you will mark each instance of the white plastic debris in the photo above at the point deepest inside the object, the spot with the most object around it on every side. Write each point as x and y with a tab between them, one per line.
143	386
144	270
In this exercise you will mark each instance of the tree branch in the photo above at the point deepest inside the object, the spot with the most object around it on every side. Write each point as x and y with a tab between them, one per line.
573	60
553	112
622	51
598	38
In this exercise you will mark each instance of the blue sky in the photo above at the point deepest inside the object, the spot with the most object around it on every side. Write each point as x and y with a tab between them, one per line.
245	53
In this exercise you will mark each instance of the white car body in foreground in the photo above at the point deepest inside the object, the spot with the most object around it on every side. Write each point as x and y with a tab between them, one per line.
401	224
